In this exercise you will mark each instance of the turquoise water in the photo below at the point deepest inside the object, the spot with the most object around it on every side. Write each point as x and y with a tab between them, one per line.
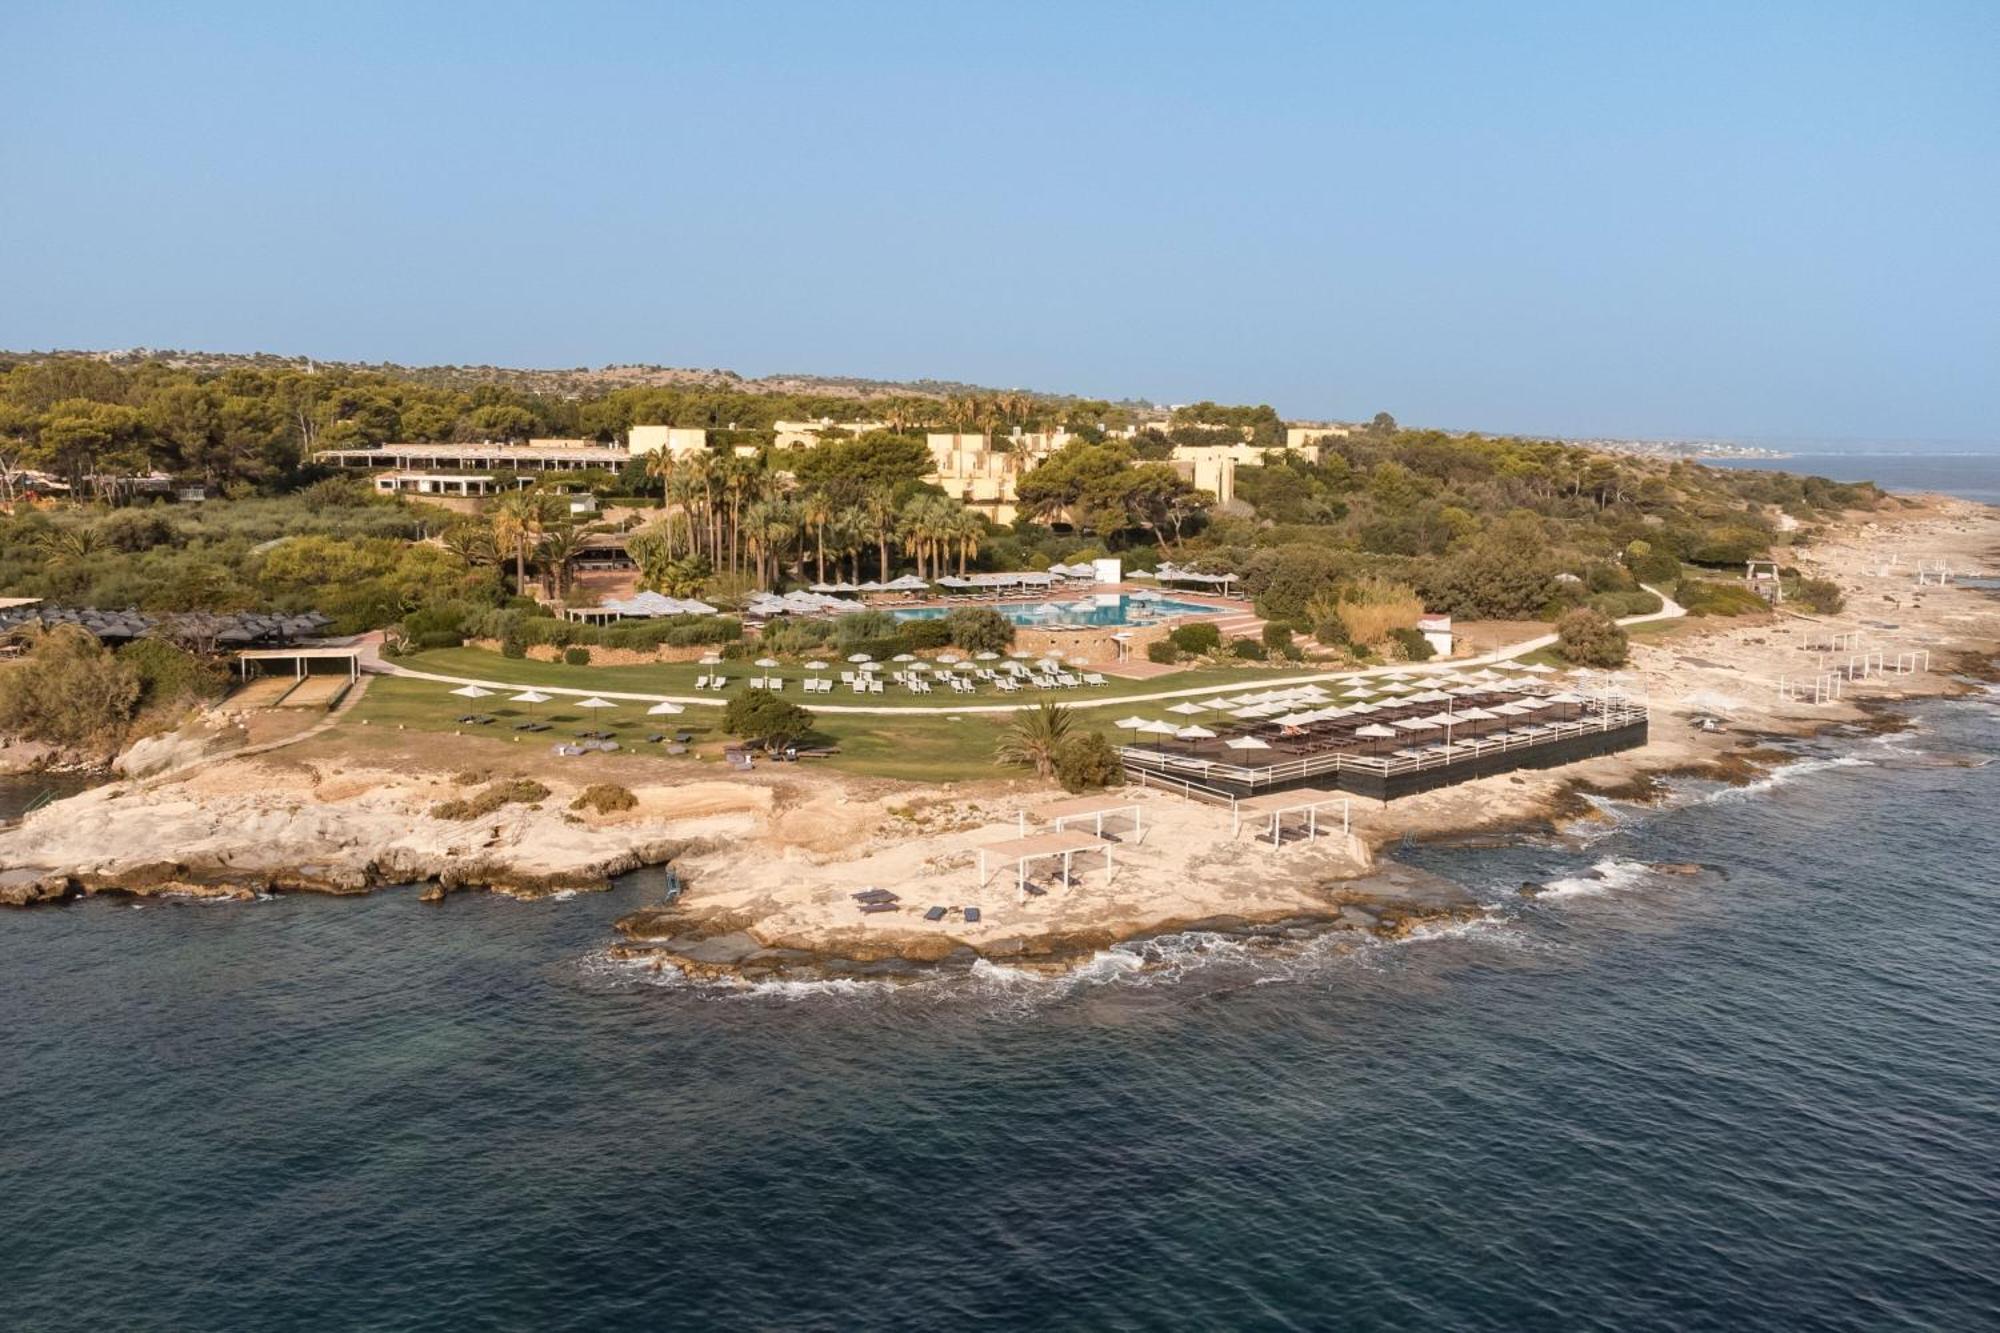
1071	610
1763	1097
1969	476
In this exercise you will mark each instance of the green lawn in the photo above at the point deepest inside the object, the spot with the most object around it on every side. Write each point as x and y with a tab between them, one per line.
677	678
917	748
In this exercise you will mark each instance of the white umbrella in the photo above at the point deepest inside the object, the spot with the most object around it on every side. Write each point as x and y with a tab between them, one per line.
1194	734
1157	728
471	692
1130	723
1375	731
711	659
1246	743
899	657
987	657
767	661
664	709
860	657
871	666
1538	668
594	702
1188	709
815	665
529	697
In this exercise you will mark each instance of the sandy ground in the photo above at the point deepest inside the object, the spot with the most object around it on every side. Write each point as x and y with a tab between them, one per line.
775	856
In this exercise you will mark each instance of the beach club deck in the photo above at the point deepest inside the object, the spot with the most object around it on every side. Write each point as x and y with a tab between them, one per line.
1395	749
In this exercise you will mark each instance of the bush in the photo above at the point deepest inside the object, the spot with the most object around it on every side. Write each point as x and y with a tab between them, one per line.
1820	596
762	715
513	640
1651	566
1373	610
1276	635
1163	652
1707	597
979	629
1331	631
1250	650
1616	604
576	656
1586	637
1412	644
1197	639
507	791
1087	760
169	675
605	798
920	635
68	691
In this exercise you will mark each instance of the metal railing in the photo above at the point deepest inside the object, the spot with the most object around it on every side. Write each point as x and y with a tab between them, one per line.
1163	764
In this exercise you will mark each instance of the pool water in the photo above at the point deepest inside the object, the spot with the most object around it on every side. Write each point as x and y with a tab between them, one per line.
1098	609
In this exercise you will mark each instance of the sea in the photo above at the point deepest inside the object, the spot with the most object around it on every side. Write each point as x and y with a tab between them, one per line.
1971	476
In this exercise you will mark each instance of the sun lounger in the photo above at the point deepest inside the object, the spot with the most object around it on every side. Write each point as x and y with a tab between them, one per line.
935	914
655	738
874	895
1034	890
879	907
684	736
972	916
677	749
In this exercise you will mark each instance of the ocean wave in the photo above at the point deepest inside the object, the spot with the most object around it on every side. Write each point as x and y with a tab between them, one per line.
1610	875
1783	774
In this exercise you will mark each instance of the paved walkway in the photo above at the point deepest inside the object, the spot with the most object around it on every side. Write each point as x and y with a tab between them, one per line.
1669	610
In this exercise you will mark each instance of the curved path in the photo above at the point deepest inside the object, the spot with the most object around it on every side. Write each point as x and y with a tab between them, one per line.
1669	610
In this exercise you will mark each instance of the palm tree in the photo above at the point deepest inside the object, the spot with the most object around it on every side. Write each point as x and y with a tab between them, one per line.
662	463
968	530
878	508
1034	739
472	542
768	529
816	511
517	524
559	546
699	481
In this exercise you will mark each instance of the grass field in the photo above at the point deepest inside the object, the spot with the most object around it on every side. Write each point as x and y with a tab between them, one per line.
916	748
678	678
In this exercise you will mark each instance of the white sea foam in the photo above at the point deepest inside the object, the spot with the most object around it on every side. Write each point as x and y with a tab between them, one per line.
1778	777
1609	875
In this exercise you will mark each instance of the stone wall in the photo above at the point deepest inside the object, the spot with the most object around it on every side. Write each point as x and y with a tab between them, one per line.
546	652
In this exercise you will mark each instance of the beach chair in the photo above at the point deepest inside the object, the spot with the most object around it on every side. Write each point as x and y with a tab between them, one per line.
874	687
972	916
872	908
935	914
701	681
1093	678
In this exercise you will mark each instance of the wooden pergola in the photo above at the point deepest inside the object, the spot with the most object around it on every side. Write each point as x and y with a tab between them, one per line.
1095	809
1307	801
1040	847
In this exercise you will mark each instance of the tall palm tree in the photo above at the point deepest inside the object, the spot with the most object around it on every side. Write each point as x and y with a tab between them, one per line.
768	529
878	509
1034	739
816	512
663	465
560	545
968	530
699	503
519	519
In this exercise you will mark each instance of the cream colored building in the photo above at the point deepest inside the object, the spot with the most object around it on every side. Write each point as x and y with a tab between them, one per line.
680	441
1301	438
806	434
966	466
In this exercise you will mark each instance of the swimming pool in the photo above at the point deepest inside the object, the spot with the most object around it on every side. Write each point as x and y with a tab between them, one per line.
1096	609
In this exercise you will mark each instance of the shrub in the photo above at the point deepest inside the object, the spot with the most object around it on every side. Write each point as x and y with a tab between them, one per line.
1638	602
1820	596
168	674
979	629
1707	597
578	656
1196	639
1291	652
1652	566
68	691
1163	652
918	635
605	798
513	640
1372	609
762	715
870	624
1412	644
1276	635
507	791
1250	650
1087	760
1331	631
1586	637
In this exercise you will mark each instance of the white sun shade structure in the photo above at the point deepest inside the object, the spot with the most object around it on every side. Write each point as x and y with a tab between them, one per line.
1188	709
1430	697
986	657
1359	692
1096	809
1021	851
1295	719
594	702
471	692
664	709
1375	731
1538	669
1131	723
1246	743
1307	801
1157	729
815	665
1365	707
711	659
766	662
1195	733
860	657
530	698
899	657
1415	724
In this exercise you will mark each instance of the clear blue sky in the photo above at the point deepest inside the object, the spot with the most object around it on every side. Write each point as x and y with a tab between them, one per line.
1642	219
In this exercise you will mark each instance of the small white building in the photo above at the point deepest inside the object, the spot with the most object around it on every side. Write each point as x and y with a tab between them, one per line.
680	441
1437	633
